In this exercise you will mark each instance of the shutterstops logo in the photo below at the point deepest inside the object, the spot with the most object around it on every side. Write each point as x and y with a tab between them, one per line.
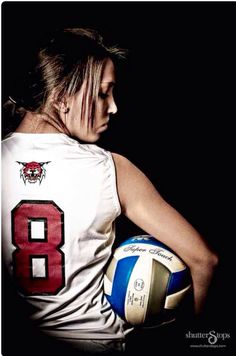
212	339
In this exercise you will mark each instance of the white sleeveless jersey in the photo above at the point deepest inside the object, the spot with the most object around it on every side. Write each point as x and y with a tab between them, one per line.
59	203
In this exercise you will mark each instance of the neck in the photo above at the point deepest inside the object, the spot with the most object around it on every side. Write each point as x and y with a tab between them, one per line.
36	123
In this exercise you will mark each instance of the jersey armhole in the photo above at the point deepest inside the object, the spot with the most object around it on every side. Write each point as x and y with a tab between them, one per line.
114	184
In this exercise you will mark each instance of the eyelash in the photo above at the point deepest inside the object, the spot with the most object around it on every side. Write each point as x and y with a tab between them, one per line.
103	95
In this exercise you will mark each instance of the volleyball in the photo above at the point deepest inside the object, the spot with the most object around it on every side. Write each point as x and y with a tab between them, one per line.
145	281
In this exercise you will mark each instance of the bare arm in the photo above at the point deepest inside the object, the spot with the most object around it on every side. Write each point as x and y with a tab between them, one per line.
143	205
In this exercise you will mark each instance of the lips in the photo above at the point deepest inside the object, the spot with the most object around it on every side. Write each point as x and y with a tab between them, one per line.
102	128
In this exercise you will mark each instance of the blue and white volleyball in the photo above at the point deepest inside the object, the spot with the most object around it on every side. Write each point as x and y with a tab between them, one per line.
146	281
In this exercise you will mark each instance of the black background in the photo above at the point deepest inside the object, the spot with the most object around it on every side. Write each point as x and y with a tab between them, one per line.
174	121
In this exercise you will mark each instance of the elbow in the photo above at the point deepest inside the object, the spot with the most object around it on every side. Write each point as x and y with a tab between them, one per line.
212	260
207	262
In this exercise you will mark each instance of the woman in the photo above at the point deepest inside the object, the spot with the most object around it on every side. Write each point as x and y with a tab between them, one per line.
63	196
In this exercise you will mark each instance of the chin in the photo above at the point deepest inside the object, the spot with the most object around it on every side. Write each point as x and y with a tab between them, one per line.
93	138
88	139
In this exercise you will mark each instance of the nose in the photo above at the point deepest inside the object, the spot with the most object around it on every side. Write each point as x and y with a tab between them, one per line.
112	107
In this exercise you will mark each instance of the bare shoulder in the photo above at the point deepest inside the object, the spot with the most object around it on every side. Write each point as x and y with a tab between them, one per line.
129	177
120	160
124	166
133	185
128	172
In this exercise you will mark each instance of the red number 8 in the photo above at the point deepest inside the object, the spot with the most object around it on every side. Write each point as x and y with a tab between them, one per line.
38	234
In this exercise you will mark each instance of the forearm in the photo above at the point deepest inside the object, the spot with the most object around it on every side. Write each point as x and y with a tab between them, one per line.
167	225
172	229
202	275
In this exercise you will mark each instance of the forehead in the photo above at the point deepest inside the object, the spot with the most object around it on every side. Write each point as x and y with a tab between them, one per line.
108	75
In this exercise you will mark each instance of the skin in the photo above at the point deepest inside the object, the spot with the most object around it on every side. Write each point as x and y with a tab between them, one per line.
104	108
140	201
35	123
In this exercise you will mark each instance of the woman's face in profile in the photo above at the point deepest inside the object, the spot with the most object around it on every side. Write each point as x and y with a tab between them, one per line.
105	106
